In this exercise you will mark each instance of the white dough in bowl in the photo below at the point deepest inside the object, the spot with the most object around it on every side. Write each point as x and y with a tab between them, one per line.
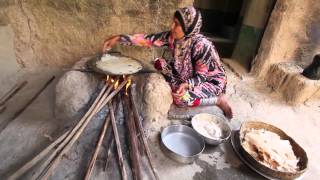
206	125
118	65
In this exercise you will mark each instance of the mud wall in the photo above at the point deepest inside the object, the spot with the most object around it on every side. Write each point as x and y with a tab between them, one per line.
59	32
292	34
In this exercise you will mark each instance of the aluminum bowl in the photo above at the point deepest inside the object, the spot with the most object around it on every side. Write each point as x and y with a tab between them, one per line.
219	121
181	143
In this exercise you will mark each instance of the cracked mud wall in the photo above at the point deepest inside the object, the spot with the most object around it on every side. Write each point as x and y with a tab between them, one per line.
292	34
60	32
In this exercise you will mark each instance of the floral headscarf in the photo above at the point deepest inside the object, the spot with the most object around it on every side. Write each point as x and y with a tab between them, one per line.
190	20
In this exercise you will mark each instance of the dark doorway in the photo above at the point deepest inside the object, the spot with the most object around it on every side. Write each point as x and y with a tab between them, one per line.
221	22
235	26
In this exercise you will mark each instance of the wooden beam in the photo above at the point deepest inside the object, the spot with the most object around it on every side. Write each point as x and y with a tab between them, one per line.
134	150
118	143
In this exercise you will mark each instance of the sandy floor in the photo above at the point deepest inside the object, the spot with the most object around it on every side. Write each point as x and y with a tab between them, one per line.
251	100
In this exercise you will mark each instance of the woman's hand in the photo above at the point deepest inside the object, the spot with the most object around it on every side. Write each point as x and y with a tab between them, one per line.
181	90
109	43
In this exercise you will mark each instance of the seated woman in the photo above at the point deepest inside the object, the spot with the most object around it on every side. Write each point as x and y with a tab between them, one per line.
195	73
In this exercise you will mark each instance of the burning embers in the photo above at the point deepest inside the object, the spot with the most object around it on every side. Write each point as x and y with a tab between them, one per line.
115	80
127	86
112	86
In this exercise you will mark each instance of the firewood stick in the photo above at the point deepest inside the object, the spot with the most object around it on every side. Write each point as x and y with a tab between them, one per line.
96	152
55	158
14	90
95	155
43	167
118	144
134	150
111	145
109	153
37	158
2	109
102	103
143	136
5	123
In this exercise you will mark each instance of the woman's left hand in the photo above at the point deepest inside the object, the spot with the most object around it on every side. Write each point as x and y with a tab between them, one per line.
181	90
107	45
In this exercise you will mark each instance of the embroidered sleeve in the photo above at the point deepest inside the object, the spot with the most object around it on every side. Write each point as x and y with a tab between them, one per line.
158	39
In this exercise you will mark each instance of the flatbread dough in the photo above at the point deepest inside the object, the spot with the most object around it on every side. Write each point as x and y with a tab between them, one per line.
269	149
206	125
118	65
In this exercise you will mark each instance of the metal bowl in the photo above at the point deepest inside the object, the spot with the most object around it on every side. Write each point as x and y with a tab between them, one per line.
219	121
181	143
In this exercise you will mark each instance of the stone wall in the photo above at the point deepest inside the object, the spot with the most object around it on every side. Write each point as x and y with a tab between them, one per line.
292	34
59	32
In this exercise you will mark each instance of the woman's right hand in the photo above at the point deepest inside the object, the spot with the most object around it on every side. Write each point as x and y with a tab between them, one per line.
181	90
109	43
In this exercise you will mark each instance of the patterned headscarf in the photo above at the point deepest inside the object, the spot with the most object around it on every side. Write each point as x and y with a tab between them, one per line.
190	20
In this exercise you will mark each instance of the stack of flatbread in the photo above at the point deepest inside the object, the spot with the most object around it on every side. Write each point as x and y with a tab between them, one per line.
269	149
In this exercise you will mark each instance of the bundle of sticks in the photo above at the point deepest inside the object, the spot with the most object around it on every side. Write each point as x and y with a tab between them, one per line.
63	144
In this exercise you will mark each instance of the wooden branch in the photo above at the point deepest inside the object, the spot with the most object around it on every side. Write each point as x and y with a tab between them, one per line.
37	158
14	90
2	109
111	145
118	144
45	165
96	152
134	151
99	143
109	153
97	108
5	123
138	122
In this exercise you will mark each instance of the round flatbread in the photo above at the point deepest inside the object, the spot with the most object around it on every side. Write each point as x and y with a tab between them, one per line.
118	65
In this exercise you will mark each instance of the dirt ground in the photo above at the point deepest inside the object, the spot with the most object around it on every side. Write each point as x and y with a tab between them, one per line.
252	100
32	131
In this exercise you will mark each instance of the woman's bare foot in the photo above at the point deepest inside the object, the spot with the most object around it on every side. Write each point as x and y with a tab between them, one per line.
224	105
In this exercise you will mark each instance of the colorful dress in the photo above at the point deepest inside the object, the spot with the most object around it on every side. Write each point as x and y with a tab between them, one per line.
195	61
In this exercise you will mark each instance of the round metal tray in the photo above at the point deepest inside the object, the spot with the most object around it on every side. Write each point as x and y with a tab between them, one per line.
297	149
91	64
235	142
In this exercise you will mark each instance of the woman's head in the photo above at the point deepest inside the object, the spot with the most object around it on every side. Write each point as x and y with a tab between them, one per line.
186	22
176	29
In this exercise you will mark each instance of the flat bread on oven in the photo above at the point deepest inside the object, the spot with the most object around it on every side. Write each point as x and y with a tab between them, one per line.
117	65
